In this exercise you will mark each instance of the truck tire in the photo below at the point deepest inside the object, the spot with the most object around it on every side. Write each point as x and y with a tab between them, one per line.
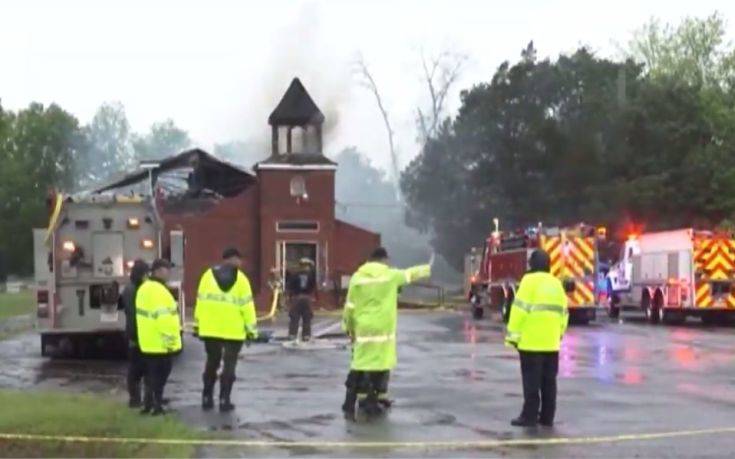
476	305
651	310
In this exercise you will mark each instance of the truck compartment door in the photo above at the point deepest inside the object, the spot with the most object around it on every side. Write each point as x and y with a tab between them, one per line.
107	255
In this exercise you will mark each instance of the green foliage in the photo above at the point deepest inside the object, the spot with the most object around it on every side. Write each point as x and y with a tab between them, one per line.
39	148
44	148
586	139
164	139
694	52
109	150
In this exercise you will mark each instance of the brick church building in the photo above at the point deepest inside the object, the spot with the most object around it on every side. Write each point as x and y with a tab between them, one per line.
282	213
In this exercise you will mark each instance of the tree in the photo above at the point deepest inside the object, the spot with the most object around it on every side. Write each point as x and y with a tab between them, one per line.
694	52
368	81
39	147
110	150
440	73
164	139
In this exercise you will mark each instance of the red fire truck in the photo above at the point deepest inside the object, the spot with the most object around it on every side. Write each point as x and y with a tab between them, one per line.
574	260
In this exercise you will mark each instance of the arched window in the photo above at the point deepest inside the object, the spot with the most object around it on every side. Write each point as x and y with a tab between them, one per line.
298	186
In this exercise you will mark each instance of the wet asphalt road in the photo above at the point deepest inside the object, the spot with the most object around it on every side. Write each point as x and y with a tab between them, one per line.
455	382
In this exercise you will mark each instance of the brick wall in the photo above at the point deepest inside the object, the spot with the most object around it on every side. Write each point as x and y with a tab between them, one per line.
209	227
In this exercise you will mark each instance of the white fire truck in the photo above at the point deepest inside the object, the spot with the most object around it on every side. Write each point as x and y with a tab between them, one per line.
83	261
674	274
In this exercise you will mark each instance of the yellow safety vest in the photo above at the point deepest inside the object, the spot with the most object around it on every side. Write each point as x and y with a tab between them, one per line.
157	317
226	315
370	313
539	314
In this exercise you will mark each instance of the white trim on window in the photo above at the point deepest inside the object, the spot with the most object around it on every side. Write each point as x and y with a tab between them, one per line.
315	229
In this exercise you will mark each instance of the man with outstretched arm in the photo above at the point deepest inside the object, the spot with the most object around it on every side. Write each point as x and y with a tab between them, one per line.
369	318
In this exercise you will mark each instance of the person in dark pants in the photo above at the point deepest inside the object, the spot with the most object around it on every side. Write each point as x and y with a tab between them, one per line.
369	319
126	302
159	333
224	318
538	320
301	287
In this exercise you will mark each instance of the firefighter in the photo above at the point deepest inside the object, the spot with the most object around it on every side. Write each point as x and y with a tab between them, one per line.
369	318
538	320
126	302
301	287
159	333
224	318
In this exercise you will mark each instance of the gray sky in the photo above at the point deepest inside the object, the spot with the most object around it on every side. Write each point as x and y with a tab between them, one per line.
219	67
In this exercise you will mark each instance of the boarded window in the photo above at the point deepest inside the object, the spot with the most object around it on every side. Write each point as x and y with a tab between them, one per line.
298	226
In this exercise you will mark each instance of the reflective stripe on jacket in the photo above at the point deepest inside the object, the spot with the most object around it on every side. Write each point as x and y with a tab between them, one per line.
157	318
370	313
226	315
539	315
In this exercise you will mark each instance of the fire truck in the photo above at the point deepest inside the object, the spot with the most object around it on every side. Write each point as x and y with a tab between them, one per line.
504	261
83	260
670	275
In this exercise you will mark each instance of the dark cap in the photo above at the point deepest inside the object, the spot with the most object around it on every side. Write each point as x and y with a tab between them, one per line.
539	261
161	263
379	254
230	252
138	271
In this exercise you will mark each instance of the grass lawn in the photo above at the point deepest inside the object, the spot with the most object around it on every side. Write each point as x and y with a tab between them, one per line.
81	415
16	304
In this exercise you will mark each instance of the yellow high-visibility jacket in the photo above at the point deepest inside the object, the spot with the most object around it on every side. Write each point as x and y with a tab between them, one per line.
226	315
157	317
370	313
539	314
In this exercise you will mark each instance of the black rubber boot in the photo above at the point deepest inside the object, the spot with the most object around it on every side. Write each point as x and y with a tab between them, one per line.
225	390
147	403
348	407
371	407
208	393
523	422
134	398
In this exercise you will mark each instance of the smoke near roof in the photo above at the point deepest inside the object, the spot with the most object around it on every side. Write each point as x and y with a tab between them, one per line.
300	51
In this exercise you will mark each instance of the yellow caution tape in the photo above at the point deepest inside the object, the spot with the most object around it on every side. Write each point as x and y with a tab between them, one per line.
476	444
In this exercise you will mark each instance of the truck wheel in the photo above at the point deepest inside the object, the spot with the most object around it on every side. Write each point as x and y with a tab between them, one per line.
652	313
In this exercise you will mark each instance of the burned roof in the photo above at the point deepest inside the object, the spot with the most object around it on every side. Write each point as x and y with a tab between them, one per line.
194	171
296	108
297	159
